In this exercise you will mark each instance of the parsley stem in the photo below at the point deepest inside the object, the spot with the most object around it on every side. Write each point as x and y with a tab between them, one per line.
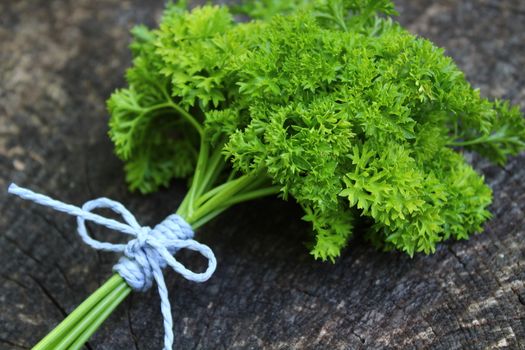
216	165
258	182
493	138
481	139
101	314
95	317
262	192
208	217
231	183
199	172
202	199
188	117
242	197
232	174
65	326
201	204
221	197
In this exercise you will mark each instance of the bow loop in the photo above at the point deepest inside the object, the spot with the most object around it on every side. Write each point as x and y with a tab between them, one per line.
131	226
143	256
165	248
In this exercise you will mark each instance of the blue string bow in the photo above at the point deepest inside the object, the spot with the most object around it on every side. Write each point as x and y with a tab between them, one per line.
146	255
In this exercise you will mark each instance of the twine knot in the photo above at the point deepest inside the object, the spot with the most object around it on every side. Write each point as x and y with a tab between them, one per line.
144	256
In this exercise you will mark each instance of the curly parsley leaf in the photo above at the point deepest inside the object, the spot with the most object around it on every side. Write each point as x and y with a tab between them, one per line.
329	102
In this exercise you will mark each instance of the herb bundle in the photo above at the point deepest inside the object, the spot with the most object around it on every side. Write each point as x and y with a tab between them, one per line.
328	102
342	110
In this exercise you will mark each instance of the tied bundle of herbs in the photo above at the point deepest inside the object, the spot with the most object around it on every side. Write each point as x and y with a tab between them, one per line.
329	102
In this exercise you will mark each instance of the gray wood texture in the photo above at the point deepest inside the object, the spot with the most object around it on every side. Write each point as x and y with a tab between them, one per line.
59	61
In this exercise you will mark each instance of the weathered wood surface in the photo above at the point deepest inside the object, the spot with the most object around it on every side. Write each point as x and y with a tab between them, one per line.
59	60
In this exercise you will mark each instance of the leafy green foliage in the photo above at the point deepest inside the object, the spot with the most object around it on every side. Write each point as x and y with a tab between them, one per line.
329	100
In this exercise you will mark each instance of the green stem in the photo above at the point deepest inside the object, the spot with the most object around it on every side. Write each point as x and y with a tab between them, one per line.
241	197
244	197
64	327
227	187
208	217
197	208
478	140
261	181
180	110
233	172
199	171
214	169
188	117
493	138
95	316
119	295
221	197
202	199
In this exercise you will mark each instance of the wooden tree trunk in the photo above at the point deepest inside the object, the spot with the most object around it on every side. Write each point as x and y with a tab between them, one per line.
59	61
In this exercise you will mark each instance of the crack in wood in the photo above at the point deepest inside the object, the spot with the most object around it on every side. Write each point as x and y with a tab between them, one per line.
130	324
13	344
49	295
54	225
23	250
63	274
15	281
361	338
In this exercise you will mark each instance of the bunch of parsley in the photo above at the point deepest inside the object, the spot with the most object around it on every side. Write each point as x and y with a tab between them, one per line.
326	101
329	102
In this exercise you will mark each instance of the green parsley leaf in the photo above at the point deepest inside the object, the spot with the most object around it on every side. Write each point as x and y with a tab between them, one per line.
329	102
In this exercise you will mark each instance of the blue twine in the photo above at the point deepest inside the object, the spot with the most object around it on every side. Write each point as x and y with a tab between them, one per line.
144	256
